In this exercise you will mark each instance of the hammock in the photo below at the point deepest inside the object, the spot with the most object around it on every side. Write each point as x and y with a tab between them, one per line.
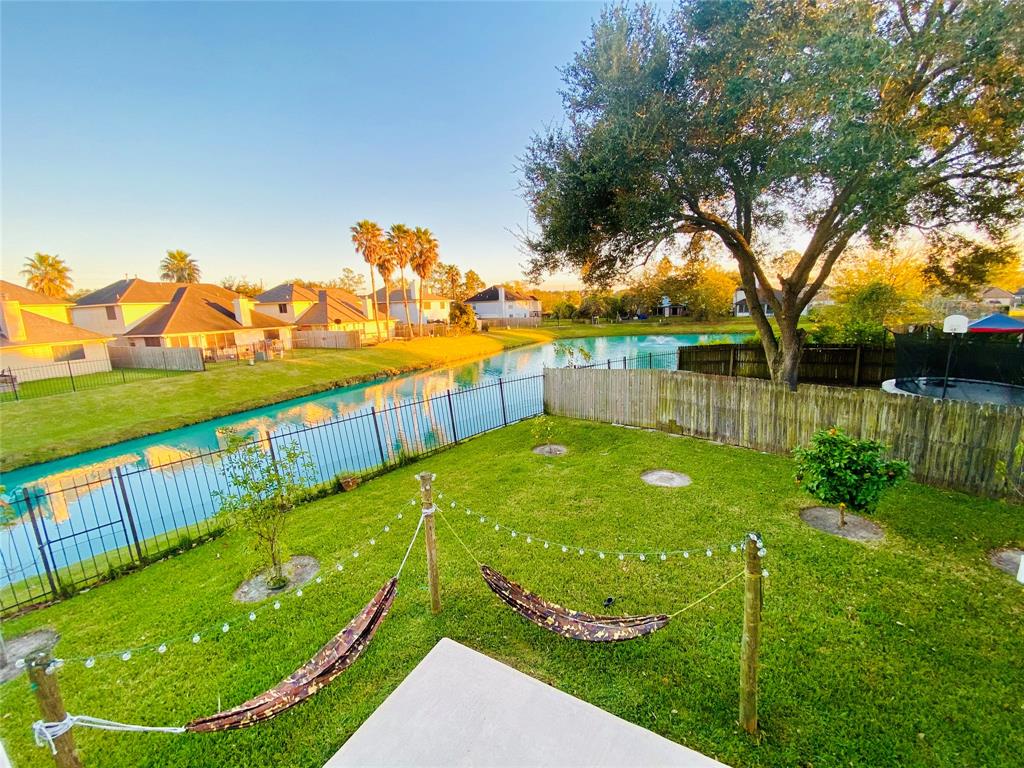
329	662
567	622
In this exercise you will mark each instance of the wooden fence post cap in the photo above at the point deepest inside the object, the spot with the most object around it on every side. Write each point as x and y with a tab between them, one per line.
426	476
39	659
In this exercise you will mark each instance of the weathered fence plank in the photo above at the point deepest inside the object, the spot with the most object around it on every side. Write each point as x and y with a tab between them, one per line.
160	358
950	444
326	340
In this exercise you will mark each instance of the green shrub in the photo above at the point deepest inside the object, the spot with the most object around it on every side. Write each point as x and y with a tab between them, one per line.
842	471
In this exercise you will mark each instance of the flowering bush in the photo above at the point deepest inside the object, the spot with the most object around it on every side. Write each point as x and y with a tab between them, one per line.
842	471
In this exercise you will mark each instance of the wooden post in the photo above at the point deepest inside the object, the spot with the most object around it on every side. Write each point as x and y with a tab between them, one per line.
856	366
751	637
430	536
732	359
52	707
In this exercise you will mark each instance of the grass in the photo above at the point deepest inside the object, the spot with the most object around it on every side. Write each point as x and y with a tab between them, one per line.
49	428
63	385
568	330
906	653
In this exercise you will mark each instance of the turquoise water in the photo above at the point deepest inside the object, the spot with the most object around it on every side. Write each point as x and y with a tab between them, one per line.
76	499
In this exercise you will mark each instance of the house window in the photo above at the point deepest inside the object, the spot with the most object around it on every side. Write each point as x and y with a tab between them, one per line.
271	335
426	305
152	341
220	340
66	352
111	313
282	309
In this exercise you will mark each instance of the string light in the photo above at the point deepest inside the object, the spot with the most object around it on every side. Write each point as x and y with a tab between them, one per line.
662	555
196	637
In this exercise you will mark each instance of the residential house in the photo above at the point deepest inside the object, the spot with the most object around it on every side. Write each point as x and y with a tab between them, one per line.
501	302
997	298
435	308
742	309
37	341
325	309
201	315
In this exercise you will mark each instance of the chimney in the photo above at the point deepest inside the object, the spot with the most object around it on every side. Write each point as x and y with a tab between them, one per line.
243	311
369	307
11	323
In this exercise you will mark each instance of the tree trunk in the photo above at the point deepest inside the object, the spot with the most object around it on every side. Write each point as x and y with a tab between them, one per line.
373	300
405	302
421	306
785	364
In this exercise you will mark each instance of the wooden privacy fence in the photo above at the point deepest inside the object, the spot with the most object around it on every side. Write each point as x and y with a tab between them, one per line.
858	366
160	358
507	322
949	444
326	340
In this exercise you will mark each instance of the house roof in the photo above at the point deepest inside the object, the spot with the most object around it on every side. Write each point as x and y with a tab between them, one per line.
286	292
26	296
194	309
137	291
412	291
491	294
44	330
992	292
332	307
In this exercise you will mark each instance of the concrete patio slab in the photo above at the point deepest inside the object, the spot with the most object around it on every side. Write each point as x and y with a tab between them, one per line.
459	707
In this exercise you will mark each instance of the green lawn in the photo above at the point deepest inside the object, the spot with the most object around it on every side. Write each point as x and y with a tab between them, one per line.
566	329
907	653
51	427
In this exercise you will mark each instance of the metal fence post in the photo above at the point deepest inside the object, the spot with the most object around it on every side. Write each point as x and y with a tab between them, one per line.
623	362
650	360
127	507
39	541
504	412
451	413
71	374
376	429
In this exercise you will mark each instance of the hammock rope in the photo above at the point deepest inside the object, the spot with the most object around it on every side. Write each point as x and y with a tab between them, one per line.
572	623
329	662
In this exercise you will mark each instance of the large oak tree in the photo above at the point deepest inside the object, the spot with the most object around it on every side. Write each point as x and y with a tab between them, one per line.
745	121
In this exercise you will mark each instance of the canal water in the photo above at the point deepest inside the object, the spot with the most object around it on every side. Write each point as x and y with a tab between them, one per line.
94	506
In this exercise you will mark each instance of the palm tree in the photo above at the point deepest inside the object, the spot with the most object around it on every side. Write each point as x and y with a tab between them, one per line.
424	257
179	267
368	238
386	268
49	275
403	245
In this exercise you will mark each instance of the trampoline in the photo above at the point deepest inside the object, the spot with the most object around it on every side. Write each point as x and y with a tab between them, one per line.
985	365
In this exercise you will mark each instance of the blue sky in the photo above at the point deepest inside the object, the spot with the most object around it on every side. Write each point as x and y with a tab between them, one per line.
254	134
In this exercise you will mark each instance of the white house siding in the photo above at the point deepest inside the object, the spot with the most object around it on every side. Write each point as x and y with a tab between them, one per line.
36	362
496	309
292	309
94	317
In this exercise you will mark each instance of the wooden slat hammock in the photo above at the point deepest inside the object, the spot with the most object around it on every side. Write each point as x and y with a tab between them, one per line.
329	662
566	621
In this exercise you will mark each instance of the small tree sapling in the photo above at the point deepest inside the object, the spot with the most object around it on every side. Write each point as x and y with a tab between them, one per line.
262	491
842	471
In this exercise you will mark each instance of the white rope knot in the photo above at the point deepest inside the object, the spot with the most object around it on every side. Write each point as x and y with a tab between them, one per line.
47	732
429	510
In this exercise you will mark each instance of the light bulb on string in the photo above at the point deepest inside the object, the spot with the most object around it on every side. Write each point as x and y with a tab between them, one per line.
707	552
252	616
643	556
89	663
225	628
601	555
162	648
373	542
529	540
581	550
565	548
387	528
277	605
126	656
298	593
621	556
664	556
686	554
545	545
195	639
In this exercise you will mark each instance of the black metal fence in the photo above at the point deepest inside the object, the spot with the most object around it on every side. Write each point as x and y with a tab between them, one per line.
69	376
854	366
63	535
72	530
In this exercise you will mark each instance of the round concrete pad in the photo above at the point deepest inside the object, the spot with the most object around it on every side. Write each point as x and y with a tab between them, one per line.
298	570
1006	559
666	478
23	646
856	529
551	449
